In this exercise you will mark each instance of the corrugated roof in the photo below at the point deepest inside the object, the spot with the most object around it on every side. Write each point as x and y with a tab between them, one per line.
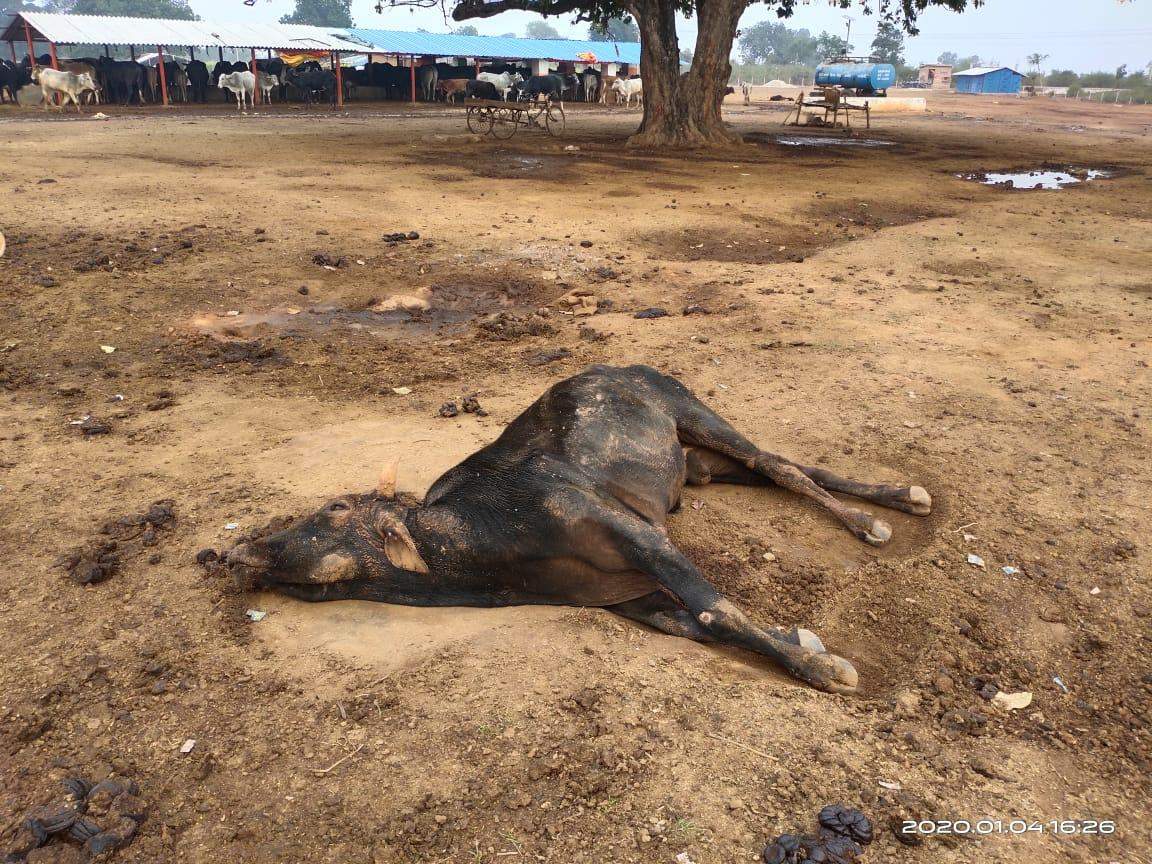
106	30
495	47
984	70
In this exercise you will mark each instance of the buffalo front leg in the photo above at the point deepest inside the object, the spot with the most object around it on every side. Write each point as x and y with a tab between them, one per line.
646	548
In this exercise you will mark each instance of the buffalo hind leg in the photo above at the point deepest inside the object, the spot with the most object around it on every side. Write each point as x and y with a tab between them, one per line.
660	611
707	466
647	549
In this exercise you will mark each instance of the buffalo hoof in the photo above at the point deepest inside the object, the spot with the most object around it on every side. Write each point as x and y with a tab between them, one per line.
830	673
914	500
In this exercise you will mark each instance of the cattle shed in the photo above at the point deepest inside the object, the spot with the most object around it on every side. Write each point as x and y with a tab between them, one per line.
988	79
607	56
162	34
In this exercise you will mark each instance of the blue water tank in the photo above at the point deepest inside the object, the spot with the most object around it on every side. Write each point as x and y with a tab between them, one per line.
864	77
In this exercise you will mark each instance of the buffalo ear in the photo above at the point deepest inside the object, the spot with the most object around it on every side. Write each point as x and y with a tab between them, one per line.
400	547
386	486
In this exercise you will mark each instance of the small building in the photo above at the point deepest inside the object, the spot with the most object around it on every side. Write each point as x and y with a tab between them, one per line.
936	76
988	79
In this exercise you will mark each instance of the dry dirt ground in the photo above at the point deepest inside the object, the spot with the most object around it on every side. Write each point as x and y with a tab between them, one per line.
866	310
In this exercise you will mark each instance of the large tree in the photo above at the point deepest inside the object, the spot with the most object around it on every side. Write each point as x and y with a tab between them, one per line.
541	30
129	8
322	13
615	30
772	42
888	46
829	46
683	110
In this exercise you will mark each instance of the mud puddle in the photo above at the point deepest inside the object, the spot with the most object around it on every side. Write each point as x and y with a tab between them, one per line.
391	324
1039	179
820	141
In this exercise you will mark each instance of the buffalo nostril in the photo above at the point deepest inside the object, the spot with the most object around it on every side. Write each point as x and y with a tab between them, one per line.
247	554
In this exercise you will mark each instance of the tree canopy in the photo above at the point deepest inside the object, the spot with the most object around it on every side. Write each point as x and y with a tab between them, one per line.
129	8
541	30
466	30
683	110
322	13
615	30
888	46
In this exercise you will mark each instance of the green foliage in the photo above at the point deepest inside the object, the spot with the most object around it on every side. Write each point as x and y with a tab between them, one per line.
773	42
130	8
1063	78
615	30
948	58
888	46
967	63
761	73
829	46
322	13
466	30
541	30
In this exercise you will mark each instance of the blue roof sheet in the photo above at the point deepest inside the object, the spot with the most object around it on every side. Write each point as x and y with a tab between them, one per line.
494	47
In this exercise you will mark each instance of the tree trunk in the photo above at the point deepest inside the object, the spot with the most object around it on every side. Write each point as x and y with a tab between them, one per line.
684	111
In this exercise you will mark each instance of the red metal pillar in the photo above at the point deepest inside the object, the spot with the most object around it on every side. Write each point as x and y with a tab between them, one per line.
52	53
339	79
411	76
256	76
163	74
31	47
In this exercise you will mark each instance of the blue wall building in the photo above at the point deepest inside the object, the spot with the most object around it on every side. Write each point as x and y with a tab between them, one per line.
988	79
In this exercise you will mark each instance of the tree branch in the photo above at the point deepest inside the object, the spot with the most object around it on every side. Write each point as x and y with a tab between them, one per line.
487	8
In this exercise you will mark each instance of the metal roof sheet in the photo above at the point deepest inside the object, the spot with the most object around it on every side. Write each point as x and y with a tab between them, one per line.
496	47
984	70
107	30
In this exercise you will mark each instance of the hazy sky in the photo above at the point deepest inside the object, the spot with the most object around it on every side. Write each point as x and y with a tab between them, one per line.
1083	35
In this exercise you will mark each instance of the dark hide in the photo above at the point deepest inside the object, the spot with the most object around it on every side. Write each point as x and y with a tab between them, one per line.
568	506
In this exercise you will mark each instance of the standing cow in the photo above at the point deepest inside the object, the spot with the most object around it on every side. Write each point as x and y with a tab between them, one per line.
243	84
198	76
68	84
426	79
503	81
626	88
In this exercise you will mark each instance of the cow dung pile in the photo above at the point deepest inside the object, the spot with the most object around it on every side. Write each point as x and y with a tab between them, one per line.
840	839
94	820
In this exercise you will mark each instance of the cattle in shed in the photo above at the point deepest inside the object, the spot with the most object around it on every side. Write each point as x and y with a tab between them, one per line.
590	82
176	80
197	72
274	66
452	89
314	85
481	90
239	67
68	84
84	67
124	80
549	86
451	71
267	83
426	78
222	67
627	88
608	95
13	76
503	81
242	84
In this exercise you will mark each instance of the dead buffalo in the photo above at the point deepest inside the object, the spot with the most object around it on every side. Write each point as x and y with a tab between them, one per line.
568	507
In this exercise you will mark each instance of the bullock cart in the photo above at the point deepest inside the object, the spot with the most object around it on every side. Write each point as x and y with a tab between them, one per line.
502	119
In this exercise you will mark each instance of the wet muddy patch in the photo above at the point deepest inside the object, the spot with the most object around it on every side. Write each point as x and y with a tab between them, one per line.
769	243
1044	177
828	141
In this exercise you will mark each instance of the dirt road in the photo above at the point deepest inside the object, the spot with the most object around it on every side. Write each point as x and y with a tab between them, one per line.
214	293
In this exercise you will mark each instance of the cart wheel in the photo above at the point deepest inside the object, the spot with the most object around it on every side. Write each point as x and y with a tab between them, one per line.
479	120
554	120
504	121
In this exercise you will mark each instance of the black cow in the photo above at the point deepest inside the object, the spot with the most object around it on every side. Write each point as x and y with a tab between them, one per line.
274	66
198	77
13	76
316	85
481	90
550	86
124	81
451	72
568	507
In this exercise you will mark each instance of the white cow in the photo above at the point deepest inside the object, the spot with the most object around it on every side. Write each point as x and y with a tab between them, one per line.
243	84
267	82
503	82
626	88
71	85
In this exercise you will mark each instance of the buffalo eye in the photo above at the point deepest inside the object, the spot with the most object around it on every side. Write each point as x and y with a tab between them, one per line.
337	506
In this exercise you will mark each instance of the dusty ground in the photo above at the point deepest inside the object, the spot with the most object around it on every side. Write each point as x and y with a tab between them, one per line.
868	311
